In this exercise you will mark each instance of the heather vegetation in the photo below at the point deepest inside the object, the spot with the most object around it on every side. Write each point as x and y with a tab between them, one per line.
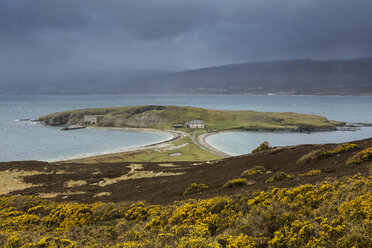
333	213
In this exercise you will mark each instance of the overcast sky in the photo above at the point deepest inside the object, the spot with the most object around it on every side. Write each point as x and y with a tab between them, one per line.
46	35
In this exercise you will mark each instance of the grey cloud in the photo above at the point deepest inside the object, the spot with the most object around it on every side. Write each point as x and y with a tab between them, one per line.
52	36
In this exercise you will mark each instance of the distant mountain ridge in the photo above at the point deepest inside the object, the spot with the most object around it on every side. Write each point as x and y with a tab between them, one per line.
304	76
287	77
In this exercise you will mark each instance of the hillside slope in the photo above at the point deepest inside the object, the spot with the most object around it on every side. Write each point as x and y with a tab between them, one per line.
305	76
166	182
302	196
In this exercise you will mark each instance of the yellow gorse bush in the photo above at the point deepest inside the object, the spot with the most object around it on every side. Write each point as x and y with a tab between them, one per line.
279	176
254	171
361	157
194	188
328	214
323	153
235	183
66	215
310	173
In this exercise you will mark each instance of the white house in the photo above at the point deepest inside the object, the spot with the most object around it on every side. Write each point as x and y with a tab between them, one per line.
91	119
194	124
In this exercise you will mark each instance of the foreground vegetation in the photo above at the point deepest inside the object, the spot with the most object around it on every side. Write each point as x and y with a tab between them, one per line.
163	117
333	213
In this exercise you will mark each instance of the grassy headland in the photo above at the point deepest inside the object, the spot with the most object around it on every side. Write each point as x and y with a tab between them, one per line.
163	117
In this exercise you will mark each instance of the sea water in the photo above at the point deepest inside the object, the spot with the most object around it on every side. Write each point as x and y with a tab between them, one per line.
238	143
24	140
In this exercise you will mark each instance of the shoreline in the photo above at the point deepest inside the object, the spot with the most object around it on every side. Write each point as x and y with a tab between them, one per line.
202	139
175	135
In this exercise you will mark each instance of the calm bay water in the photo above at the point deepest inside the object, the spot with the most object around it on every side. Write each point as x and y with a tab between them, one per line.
26	140
238	143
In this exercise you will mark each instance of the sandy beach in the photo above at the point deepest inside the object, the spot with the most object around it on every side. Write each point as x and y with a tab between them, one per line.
160	145
175	136
202	140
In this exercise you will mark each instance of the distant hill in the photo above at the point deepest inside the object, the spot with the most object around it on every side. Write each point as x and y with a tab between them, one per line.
287	77
315	77
74	81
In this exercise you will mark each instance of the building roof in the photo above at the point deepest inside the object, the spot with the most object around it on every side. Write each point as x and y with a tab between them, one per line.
196	122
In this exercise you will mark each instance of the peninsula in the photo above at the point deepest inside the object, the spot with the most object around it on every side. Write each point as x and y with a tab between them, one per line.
169	117
189	143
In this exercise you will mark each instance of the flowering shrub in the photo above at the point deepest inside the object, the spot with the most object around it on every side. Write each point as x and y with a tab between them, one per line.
241	240
194	188
328	214
322	153
196	242
310	173
254	171
235	183
345	147
361	157
138	212
66	215
263	146
279	176
309	156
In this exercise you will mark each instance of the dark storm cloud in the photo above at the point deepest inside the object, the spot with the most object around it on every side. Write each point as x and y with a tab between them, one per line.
46	35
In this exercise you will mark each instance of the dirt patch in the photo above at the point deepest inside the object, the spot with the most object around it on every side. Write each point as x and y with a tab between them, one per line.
173	147
48	195
72	183
63	172
136	175
12	180
167	165
135	167
102	194
63	194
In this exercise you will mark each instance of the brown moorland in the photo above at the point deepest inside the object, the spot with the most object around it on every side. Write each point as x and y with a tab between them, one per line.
156	183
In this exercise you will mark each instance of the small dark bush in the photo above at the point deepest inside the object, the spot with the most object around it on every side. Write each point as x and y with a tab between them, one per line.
263	146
